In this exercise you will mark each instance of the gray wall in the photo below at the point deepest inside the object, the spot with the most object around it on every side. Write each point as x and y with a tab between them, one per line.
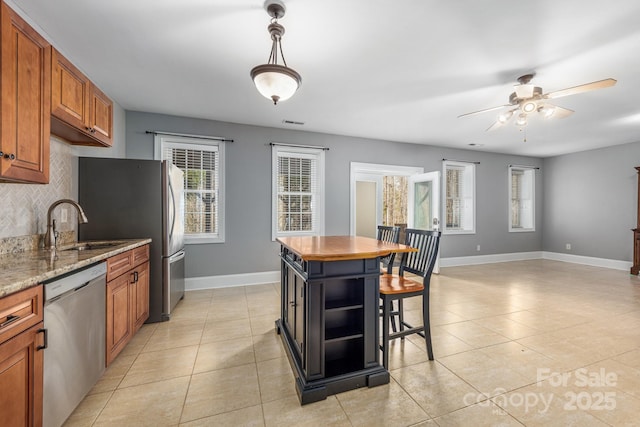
248	247
591	202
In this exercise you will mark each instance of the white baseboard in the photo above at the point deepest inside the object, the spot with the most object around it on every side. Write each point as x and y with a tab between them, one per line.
230	280
248	279
587	260
488	259
519	256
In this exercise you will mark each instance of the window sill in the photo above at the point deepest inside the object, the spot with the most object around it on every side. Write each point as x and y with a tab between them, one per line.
522	230
190	240
458	232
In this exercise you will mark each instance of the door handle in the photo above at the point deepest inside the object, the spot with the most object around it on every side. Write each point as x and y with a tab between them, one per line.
46	339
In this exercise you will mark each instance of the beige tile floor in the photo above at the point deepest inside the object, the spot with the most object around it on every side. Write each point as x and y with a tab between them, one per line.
533	343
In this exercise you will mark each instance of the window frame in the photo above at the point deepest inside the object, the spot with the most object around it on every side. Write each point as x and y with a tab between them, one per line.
530	176
317	202
203	144
469	196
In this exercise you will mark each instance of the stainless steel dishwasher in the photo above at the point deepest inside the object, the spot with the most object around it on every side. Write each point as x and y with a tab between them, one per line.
74	360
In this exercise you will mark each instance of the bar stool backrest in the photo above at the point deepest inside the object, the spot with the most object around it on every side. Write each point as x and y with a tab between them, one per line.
389	233
422	262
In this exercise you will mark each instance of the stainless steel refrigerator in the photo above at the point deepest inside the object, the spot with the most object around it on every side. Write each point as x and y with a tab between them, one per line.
130	198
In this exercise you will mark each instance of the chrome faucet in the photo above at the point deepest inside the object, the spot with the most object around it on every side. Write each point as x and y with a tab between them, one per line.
51	236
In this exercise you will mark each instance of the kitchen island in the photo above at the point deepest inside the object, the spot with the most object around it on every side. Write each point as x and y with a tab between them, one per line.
329	320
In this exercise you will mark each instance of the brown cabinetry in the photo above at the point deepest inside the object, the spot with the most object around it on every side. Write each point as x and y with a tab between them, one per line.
127	297
25	79
21	358
81	113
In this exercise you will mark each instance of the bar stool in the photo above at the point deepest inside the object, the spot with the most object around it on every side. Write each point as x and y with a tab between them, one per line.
396	287
388	233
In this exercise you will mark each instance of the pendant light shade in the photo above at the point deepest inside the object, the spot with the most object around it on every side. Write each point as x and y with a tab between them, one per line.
275	81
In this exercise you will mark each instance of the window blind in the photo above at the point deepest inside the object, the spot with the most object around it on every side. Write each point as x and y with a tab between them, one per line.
201	166
459	187
455	190
297	190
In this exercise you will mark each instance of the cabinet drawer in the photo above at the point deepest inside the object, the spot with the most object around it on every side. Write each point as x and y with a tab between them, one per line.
20	311
140	255
119	264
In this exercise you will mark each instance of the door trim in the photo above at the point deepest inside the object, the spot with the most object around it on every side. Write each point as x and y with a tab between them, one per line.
357	168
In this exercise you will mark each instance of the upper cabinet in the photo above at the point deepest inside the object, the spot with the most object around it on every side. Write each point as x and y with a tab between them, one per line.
25	79
80	112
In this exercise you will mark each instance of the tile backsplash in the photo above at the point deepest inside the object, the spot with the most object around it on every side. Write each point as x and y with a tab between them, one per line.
23	210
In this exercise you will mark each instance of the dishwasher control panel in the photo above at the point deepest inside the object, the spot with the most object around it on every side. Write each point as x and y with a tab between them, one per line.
75	279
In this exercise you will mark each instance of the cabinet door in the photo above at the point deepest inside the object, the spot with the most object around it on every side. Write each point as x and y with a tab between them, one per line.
69	92
290	311
21	379
100	116
140	295
119	321
300	319
294	320
26	101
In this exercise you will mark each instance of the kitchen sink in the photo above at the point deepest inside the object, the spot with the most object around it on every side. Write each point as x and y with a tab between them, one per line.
85	246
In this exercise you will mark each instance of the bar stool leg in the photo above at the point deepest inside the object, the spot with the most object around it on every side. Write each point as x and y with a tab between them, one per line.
427	323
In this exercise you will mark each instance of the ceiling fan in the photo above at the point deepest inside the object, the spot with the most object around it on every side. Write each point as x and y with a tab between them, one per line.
528	99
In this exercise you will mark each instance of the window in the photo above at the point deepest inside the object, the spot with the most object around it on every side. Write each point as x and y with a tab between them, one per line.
202	162
394	200
298	193
459	191
521	199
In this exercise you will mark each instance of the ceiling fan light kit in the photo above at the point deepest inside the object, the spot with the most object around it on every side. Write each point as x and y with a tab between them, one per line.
547	111
275	81
528	99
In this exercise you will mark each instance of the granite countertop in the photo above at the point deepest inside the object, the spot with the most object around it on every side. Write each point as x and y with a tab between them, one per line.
23	270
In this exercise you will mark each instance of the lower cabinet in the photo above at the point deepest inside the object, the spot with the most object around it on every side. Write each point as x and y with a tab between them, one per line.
127	298
21	358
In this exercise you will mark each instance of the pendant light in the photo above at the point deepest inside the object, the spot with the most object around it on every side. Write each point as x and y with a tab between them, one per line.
273	80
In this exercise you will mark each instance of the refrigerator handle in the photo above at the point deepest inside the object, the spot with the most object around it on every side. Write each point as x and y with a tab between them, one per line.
172	209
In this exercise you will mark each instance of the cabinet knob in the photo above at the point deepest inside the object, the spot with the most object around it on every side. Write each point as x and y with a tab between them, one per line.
10	156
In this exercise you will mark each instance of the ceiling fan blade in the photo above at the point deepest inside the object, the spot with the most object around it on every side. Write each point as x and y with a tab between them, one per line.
600	84
484	111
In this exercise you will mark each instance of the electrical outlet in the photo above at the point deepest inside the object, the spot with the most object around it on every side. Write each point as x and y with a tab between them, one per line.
568	246
478	248
63	215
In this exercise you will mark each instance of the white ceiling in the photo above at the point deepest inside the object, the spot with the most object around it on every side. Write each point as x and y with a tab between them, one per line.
399	70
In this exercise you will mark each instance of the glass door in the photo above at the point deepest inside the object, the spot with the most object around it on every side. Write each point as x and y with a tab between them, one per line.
423	204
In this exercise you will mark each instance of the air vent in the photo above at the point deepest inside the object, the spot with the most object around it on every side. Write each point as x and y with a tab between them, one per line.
473	144
292	122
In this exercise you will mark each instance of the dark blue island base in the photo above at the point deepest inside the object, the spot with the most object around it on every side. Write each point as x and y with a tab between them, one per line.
329	324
